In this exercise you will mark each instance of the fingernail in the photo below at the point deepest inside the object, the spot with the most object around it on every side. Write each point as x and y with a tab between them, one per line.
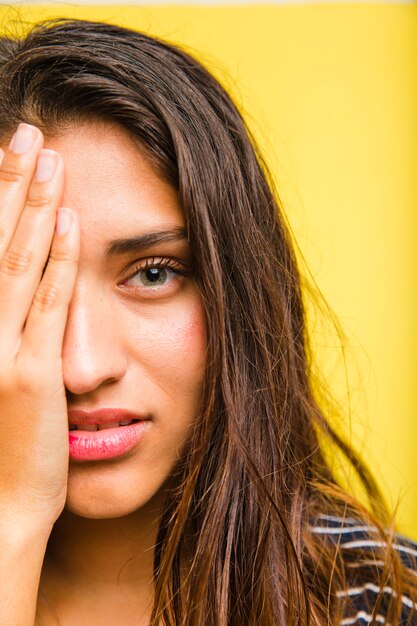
23	139
63	221
46	165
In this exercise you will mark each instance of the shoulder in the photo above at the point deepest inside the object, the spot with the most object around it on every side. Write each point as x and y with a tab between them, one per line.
363	549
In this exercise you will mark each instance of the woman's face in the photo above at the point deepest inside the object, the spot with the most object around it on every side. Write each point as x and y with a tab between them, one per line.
135	338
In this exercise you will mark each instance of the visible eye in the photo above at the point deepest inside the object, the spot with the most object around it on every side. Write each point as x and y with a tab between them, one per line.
155	274
151	276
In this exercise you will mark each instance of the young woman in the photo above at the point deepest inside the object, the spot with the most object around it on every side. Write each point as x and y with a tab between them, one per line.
162	451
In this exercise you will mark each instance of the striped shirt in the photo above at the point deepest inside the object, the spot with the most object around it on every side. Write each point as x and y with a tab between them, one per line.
351	535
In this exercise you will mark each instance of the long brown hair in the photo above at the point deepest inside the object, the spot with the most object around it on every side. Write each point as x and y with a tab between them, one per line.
235	543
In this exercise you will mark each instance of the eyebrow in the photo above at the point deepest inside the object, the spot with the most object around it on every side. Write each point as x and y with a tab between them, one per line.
141	242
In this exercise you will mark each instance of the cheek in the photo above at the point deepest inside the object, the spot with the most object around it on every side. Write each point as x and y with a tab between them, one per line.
170	345
186	342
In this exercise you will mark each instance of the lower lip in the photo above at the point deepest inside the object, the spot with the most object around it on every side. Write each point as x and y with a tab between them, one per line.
99	445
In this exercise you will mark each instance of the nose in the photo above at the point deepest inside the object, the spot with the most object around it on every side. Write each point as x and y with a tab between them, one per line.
92	355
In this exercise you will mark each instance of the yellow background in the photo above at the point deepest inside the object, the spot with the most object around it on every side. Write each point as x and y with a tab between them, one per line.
331	93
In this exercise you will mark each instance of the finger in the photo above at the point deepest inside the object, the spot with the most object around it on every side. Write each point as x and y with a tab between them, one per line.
23	262
44	331
16	172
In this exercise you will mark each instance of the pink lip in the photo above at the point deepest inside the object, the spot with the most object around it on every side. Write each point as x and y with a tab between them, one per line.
107	443
102	416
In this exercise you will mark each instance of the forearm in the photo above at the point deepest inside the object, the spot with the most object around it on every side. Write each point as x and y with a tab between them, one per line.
22	555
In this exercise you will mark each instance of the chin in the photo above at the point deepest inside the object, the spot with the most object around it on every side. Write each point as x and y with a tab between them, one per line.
94	509
110	494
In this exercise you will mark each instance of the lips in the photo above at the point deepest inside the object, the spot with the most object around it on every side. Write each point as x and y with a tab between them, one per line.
94	427
102	417
104	433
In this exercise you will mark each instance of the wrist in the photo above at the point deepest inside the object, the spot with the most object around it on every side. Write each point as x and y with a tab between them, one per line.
18	530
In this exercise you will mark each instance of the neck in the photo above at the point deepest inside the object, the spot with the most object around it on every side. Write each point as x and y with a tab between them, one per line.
106	562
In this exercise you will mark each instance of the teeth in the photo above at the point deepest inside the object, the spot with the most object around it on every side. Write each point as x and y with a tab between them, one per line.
89	427
112	425
93	427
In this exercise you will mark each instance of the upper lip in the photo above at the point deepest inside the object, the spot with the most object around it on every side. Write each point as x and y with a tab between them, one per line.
102	416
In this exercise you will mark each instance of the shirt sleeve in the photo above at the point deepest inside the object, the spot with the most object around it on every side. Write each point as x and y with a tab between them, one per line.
351	536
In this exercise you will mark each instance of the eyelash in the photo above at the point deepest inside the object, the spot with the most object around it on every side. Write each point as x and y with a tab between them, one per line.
156	263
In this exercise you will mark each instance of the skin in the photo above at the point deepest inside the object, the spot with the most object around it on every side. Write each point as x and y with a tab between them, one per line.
137	347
